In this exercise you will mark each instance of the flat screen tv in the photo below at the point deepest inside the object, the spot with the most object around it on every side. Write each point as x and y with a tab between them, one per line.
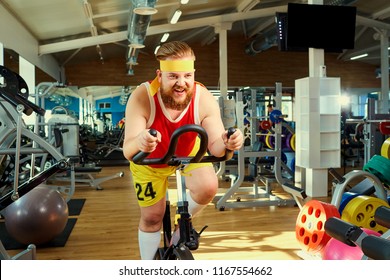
281	29
327	27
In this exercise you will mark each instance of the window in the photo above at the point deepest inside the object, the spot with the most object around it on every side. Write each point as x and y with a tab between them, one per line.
104	105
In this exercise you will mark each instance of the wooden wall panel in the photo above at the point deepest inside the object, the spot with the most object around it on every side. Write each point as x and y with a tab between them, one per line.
263	69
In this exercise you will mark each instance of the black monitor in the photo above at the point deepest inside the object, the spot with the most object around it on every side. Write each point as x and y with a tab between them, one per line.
327	27
281	29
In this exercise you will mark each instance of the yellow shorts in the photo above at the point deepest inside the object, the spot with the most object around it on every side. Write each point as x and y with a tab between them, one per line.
151	184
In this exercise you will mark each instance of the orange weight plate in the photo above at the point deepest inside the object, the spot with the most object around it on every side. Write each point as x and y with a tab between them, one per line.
309	228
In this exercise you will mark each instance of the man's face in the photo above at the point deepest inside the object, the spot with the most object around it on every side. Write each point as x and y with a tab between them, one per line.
176	88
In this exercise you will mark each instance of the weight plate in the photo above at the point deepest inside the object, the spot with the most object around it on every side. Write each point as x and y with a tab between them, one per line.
385	149
309	228
384	128
265	124
292	142
346	197
270	140
360	211
275	116
380	167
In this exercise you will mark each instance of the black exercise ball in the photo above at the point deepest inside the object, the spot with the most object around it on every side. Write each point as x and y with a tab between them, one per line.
37	217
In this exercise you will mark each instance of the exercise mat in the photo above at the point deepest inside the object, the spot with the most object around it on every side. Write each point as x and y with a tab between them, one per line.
59	241
75	206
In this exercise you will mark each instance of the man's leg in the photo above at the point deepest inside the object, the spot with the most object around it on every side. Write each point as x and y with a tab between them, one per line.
202	185
149	235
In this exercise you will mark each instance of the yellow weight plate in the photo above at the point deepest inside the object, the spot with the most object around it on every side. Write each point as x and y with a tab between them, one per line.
292	142
385	149
269	139
360	211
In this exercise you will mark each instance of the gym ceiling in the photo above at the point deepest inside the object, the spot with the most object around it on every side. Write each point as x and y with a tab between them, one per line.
74	31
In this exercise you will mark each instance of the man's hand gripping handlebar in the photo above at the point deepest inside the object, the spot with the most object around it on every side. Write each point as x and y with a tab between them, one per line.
171	159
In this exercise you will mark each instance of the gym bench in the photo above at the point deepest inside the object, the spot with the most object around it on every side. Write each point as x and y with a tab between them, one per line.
85	175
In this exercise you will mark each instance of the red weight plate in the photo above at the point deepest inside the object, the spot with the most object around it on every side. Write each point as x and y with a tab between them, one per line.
265	125
309	228
384	128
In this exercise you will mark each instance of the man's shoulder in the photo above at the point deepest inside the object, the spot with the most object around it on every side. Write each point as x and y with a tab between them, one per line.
200	84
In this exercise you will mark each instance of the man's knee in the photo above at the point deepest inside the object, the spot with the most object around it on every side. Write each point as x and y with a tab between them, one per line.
205	190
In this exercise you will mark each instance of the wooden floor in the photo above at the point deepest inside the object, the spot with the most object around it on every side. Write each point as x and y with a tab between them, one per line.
107	228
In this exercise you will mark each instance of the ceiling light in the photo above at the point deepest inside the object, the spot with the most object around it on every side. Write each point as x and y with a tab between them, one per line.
164	38
175	17
144	7
156	49
183	2
145	11
359	56
136	45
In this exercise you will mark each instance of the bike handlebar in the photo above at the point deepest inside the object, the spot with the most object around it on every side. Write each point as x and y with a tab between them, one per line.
171	159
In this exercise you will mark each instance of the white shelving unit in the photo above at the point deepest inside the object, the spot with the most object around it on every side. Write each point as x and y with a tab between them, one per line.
317	126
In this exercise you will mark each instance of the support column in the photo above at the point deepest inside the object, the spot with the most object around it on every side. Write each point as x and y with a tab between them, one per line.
383	101
1	54
223	57
27	72
314	177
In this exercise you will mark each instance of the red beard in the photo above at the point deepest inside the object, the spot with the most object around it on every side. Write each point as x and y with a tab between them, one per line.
171	103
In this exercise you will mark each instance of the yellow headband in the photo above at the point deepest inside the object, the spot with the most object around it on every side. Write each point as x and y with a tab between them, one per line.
177	65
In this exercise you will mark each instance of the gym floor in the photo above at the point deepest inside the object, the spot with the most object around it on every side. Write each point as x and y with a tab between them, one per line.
107	226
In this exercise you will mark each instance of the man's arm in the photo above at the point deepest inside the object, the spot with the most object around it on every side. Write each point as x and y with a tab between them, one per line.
211	121
137	138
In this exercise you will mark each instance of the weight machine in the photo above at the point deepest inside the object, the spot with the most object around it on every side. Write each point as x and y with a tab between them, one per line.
372	136
13	104
260	195
64	130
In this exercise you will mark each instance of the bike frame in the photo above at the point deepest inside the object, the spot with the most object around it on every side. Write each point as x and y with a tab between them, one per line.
180	250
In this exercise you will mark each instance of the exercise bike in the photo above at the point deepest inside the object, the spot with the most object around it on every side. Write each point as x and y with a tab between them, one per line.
180	250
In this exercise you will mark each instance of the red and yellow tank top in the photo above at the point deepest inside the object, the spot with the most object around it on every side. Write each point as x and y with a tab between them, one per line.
161	121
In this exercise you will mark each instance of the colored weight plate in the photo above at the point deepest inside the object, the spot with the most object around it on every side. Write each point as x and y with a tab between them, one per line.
292	164
270	140
292	142
288	141
360	211
284	158
346	197
384	128
309	228
276	116
265	124
380	167
385	149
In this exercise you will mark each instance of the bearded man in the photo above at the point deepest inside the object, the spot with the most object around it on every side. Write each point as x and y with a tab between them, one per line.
171	100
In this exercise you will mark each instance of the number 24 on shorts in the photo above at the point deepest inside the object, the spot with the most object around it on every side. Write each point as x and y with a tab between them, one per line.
146	192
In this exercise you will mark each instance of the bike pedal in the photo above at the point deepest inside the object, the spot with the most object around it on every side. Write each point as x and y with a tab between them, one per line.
202	230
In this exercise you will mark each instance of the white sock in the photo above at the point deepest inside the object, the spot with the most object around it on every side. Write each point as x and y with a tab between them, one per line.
148	244
194	207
